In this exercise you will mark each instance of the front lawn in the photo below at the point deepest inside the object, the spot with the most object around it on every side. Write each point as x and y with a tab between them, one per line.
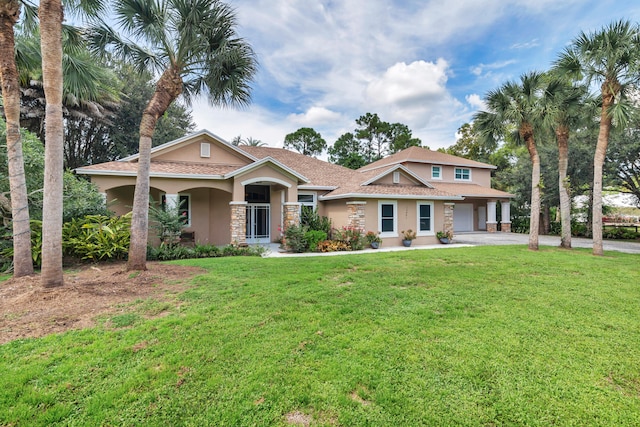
485	336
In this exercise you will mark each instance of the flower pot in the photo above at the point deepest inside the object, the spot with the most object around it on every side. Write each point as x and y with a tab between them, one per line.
444	240
406	243
375	245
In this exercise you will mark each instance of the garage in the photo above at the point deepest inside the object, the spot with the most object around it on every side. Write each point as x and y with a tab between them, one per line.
463	217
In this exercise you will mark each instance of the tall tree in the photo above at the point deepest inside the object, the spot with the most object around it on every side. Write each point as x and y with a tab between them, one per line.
470	146
51	17
517	106
611	57
306	141
346	152
401	137
623	158
374	137
193	44
563	104
22	264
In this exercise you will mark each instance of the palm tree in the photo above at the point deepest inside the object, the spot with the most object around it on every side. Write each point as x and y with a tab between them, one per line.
517	106
563	104
194	46
22	263
51	16
611	57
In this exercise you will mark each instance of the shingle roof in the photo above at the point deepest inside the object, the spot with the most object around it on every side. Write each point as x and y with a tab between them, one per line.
469	190
160	168
424	155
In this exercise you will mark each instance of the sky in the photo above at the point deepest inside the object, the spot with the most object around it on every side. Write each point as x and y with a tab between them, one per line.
425	63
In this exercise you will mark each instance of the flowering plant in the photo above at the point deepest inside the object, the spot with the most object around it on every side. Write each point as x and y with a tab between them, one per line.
408	235
372	237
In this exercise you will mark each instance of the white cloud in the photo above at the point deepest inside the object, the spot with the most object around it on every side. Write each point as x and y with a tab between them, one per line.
476	102
315	116
479	69
526	45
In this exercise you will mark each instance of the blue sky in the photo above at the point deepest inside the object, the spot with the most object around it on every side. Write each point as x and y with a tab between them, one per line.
423	63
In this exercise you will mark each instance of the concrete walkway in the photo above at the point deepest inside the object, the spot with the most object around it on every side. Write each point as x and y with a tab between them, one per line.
472	239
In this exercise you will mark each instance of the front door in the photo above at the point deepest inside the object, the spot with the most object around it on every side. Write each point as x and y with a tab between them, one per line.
258	223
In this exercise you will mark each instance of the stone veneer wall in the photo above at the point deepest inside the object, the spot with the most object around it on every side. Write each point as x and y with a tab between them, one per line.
291	214
238	222
448	218
505	227
356	215
492	227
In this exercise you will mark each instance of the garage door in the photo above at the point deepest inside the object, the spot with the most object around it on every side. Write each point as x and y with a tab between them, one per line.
463	217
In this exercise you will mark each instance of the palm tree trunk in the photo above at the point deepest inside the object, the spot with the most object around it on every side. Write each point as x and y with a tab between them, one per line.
562	136
51	16
526	132
608	98
167	90
22	262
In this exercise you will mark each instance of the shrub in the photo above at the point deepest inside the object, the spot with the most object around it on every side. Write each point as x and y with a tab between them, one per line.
295	240
97	237
332	246
351	236
310	219
313	237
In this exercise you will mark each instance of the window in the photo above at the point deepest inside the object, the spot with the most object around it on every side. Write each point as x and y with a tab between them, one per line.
463	174
436	172
387	212
205	149
257	193
425	218
307	206
183	203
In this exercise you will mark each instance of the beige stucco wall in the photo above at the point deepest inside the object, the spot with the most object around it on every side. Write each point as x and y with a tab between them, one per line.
190	152
478	176
388	180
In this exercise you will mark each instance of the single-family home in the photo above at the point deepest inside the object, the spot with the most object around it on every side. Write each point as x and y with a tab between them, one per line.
244	194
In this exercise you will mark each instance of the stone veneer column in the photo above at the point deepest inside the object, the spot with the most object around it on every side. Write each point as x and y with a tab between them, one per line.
291	214
448	218
505	224
492	223
238	222
356	215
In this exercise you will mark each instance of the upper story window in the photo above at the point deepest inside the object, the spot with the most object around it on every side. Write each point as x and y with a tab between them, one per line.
436	172
205	149
463	174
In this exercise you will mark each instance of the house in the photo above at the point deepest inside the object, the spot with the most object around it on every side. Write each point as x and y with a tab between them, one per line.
237	194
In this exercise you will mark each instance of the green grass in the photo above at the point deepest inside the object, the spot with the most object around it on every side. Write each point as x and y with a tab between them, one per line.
486	336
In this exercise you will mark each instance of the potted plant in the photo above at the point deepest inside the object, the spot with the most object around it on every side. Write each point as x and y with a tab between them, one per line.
373	239
444	236
407	237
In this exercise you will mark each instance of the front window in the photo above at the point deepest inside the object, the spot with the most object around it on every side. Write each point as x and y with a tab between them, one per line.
307	203
425	218
183	204
388	219
463	174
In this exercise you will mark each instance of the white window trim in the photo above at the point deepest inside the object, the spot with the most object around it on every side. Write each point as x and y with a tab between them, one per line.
461	179
308	193
189	210
205	149
393	233
418	231
439	169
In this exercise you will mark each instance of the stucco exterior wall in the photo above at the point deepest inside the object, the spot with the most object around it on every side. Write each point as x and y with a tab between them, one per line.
265	173
191	153
388	180
478	176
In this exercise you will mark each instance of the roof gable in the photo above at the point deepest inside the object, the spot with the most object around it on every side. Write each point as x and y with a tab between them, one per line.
405	177
188	149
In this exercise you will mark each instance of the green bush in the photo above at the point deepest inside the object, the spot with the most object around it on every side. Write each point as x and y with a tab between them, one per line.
294	237
351	236
312	221
97	237
313	237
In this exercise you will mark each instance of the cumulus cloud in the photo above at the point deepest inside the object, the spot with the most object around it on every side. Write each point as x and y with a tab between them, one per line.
405	85
314	116
476	102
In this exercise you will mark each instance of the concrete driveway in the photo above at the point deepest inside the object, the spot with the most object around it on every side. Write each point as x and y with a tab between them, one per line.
523	239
